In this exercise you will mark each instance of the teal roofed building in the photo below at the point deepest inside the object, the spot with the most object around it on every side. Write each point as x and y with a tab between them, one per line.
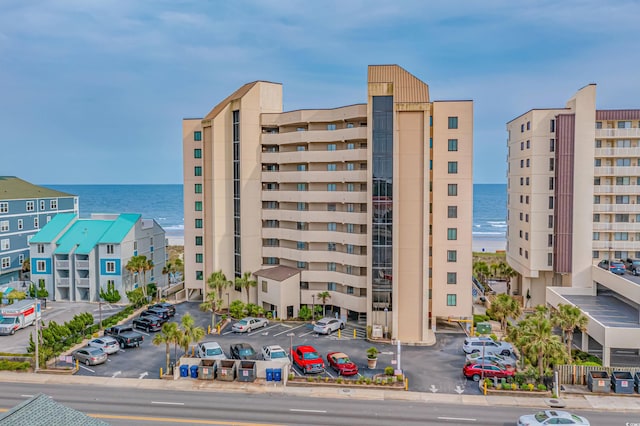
25	209
75	258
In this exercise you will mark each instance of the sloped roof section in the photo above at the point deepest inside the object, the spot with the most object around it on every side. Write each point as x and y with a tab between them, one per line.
235	95
119	228
52	229
13	188
83	235
406	87
277	273
42	410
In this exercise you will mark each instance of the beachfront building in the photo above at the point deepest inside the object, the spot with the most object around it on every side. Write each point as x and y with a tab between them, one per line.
76	258
369	202
573	195
24	209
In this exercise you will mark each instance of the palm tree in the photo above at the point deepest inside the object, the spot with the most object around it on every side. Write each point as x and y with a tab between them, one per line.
211	304
137	265
167	336
245	282
539	341
190	332
568	318
481	270
324	295
168	270
504	307
217	281
507	273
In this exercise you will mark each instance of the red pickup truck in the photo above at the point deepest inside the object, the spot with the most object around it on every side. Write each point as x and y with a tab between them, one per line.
307	358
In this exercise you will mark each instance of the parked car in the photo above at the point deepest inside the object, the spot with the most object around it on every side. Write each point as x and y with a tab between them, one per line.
486	344
147	323
245	325
210	350
90	356
109	345
328	325
615	266
161	313
476	358
552	417
489	360
633	266
341	363
274	353
307	358
474	371
165	305
125	335
243	351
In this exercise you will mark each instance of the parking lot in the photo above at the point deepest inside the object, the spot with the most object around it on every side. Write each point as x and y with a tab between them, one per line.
429	369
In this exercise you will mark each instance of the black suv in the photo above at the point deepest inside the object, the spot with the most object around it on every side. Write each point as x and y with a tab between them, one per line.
633	265
161	314
147	323
165	305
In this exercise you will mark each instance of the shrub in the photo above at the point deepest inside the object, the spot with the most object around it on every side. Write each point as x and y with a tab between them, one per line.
310	379
291	376
530	386
304	313
514	386
388	371
519	378
111	295
368	380
542	387
14	365
524	386
480	318
237	309
493	337
339	380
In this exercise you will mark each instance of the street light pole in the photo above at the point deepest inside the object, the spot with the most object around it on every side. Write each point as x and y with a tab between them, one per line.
313	307
482	373
386	322
291	345
37	337
228	304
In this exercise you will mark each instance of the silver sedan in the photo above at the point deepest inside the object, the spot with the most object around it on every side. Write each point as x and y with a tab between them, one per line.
90	356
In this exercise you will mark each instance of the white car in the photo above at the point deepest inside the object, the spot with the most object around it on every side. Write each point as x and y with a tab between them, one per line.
328	325
552	417
274	353
108	344
486	345
245	325
210	350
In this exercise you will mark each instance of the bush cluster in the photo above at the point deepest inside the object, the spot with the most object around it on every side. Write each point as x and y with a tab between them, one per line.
14	365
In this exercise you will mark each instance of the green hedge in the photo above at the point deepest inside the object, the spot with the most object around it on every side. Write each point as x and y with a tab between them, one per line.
14	365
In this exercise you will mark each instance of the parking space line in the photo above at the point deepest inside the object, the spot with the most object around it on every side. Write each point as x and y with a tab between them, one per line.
306	334
328	374
86	368
262	330
289	330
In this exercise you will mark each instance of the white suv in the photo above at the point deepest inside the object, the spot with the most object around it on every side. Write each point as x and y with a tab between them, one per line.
476	344
274	353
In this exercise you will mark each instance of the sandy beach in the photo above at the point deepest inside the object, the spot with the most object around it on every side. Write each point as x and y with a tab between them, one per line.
175	240
488	246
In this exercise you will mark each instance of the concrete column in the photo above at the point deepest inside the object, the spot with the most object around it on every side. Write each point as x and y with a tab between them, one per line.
584	347
606	356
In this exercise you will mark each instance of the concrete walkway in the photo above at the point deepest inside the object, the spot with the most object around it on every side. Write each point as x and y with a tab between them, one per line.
622	403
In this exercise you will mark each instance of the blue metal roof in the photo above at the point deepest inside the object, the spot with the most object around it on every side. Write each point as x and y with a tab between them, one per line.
85	234
120	228
52	229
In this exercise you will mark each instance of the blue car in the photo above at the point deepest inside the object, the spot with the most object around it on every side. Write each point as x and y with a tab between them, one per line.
614	266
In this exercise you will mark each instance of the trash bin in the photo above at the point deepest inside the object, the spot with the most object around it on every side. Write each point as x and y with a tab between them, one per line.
207	369
226	370
277	374
269	374
247	371
636	379
194	371
598	381
622	382
184	371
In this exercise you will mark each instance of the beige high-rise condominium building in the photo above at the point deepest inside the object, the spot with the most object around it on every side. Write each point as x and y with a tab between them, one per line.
573	184
369	202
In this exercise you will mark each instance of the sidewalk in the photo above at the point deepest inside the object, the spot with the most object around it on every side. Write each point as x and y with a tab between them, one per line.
571	401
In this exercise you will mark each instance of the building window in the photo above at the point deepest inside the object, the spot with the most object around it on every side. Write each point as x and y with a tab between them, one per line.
331	207
350	248
198	188
521	146
301	148
622	199
331	167
20	224
265	286
301	167
552	145
331	266
36	223
452	167
301	245
301	265
198	206
198	241
452	256
4	226
550	221
53	204
30	206
197	153
552	126
550	202
351	145
300	226
549	259
350	228
4	207
451	300
199	275
41	204
331	226
452	144
331	126
331	147
302	207
197	171
302	187
197	136
110	249
452	234
331	246
452	189
198	257
350	166
5	244
349	289
110	267
198	223
331	286
452	212
526	217
453	122
331	187
452	277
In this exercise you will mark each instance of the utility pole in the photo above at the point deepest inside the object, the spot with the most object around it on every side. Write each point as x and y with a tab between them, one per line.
37	336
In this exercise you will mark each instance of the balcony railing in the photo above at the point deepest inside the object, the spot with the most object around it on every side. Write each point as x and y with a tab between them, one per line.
82	282
615	208
617	189
62	264
62	282
617	152
617	171
82	264
618	133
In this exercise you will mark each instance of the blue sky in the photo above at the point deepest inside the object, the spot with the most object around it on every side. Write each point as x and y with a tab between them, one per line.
95	91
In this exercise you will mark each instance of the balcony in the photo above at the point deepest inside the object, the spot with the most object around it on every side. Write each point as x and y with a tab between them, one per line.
617	133
617	152
315	236
316	256
615	208
295	157
62	282
82	264
82	282
616	245
62	264
616	226
312	136
617	189
315	196
317	176
617	171
359	281
314	216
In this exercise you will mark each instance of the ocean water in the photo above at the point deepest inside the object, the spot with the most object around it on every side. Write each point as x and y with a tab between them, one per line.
164	204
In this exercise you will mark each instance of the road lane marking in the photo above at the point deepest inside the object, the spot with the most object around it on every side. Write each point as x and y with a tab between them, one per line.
288	330
167	403
458	419
172	420
116	374
300	410
143	375
86	368
306	334
27	396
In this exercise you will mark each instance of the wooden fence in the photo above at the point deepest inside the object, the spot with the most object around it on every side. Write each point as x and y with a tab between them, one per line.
577	374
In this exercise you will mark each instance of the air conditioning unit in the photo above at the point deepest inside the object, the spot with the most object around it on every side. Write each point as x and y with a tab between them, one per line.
376	331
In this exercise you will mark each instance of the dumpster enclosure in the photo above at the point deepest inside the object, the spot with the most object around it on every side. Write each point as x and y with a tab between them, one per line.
598	381
226	370
246	371
207	369
622	382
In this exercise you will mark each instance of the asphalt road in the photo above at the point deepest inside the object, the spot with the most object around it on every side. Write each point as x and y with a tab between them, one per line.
429	369
127	406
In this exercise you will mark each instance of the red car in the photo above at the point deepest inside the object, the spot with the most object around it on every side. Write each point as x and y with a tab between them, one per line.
306	357
474	371
342	364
